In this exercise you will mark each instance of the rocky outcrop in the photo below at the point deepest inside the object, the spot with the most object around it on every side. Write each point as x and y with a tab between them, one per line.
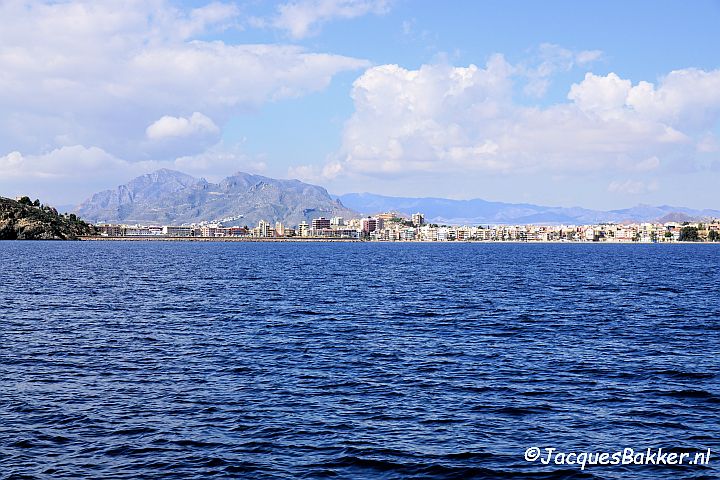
19	221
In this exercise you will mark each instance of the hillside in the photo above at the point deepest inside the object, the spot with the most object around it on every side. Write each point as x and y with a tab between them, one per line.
171	197
20	221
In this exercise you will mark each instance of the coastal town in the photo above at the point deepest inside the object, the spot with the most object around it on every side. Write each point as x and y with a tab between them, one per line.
394	227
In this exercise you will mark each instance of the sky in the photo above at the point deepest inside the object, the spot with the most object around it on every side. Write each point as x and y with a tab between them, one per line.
595	104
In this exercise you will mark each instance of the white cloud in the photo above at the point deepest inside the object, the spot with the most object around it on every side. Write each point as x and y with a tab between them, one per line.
167	126
98	73
548	60
64	175
588	56
69	161
632	187
83	170
217	15
650	163
708	144
218	162
448	119
600	94
306	173
301	18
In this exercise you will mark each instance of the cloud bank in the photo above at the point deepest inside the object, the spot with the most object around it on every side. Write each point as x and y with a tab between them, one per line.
100	73
442	118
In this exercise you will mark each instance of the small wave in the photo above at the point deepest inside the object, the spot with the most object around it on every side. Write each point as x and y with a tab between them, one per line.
681	375
521	411
133	431
689	393
127	450
196	443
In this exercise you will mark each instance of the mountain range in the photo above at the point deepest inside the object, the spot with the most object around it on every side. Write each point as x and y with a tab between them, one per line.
171	197
478	211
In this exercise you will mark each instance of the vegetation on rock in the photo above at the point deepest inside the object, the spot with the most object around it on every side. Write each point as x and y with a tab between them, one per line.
24	219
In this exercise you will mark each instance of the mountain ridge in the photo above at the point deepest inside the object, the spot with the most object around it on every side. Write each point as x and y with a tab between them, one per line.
168	196
479	211
171	197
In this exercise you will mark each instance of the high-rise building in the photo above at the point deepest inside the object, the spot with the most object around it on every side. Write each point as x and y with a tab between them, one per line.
263	229
418	219
279	229
337	221
368	225
321	223
303	229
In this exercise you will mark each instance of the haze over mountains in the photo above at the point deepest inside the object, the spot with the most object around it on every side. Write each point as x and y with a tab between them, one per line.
478	211
171	197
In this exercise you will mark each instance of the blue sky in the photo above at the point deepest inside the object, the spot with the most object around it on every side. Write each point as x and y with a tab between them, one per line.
600	105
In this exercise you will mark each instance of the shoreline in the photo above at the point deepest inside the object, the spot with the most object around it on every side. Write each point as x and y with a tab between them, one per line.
214	239
353	240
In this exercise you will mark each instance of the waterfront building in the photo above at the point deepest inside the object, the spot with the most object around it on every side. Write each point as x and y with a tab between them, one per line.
373	228
236	231
263	229
211	230
108	230
369	225
137	231
173	231
303	229
418	219
407	234
321	223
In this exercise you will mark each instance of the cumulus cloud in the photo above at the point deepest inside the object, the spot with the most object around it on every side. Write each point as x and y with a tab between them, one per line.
76	168
168	126
69	161
301	18
80	169
601	94
442	118
98	73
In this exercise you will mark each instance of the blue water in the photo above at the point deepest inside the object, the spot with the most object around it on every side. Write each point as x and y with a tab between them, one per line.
354	360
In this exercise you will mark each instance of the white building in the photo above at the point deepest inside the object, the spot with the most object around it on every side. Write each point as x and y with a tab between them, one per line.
263	229
303	229
173	231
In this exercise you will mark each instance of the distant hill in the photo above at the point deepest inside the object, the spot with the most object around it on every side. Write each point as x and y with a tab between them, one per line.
171	197
477	211
20	221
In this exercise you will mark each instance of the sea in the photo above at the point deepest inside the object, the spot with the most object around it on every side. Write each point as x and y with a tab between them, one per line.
260	360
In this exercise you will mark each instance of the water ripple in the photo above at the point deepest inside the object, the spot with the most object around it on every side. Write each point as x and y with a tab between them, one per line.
251	360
